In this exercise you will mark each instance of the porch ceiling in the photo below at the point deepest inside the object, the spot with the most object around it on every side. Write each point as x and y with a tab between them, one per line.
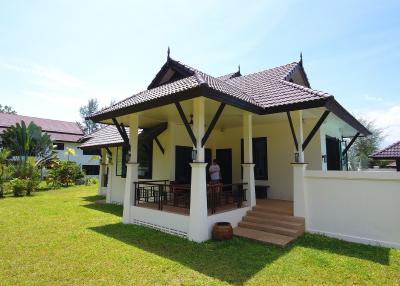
231	116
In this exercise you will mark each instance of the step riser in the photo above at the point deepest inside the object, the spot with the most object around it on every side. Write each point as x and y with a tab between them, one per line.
287	224
272	229
272	210
263	237
275	216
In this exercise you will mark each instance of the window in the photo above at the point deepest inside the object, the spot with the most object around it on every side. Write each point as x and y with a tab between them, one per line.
91	151
91	169
260	158
120	164
58	146
145	159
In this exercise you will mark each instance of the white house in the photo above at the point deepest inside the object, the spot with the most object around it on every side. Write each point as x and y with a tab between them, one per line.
273	137
65	135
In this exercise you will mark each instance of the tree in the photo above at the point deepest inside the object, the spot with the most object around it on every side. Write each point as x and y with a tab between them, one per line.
88	126
27	141
365	146
7	109
5	169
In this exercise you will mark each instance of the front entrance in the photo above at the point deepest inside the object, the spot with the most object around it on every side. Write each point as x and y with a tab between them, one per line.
183	158
333	153
224	159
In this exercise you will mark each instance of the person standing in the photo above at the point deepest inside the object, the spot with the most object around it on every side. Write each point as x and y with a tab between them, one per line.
215	172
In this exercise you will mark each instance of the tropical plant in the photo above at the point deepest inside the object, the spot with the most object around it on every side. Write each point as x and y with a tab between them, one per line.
365	146
19	187
5	170
64	173
87	110
28	171
25	141
7	109
70	152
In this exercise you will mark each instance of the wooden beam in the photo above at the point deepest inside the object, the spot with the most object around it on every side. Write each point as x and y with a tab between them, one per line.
186	123
159	145
350	143
122	133
212	124
292	130
315	129
108	151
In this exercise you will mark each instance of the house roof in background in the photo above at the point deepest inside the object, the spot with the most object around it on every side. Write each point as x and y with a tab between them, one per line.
57	129
107	136
392	152
268	91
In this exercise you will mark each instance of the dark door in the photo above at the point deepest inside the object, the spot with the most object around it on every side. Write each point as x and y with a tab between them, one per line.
208	161
183	171
224	159
333	153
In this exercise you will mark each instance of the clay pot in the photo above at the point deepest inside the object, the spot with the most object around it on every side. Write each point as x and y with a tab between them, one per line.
222	231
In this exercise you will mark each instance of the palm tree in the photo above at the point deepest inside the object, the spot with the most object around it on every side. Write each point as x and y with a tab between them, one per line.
27	141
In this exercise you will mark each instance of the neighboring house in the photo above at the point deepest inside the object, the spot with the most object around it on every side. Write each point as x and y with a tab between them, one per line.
390	153
64	135
271	134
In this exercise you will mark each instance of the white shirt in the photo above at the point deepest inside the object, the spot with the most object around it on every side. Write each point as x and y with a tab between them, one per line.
214	172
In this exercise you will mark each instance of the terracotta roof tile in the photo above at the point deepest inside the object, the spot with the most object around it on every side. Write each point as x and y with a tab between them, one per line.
390	152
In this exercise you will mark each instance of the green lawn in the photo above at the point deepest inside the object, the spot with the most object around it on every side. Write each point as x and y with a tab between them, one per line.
63	237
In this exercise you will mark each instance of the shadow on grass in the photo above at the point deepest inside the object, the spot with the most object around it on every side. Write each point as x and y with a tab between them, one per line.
234	261
107	208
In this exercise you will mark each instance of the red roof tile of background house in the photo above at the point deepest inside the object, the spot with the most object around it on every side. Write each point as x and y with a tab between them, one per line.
57	129
390	152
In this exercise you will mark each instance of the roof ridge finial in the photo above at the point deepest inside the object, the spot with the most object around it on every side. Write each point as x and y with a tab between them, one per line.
239	68
301	58
168	52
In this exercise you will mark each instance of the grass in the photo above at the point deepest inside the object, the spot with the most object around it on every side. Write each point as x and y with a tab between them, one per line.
64	237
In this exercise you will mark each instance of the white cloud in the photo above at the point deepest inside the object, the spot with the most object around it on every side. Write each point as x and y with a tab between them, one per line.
386	118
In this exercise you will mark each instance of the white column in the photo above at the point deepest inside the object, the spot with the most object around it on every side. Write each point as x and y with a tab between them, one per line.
132	167
198	222
171	149
248	166
299	191
300	135
111	170
102	172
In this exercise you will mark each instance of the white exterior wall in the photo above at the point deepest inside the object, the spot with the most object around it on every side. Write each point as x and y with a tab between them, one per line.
280	154
80	159
117	182
355	206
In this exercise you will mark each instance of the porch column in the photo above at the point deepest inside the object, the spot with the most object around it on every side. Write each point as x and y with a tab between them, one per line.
171	149
198	222
102	172
248	165
299	192
131	167
301	136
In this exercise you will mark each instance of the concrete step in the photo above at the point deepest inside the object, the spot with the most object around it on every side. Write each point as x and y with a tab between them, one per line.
271	215
276	222
262	236
292	232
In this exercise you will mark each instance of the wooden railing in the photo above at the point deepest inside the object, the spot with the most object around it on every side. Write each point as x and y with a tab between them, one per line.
165	193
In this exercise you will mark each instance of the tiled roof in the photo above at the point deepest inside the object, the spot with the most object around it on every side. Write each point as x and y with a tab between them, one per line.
264	92
270	87
57	129
390	152
106	136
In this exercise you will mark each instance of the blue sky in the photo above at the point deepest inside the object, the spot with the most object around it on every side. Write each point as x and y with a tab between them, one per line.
55	55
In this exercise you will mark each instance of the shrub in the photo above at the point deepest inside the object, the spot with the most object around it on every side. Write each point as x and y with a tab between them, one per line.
19	187
28	171
64	173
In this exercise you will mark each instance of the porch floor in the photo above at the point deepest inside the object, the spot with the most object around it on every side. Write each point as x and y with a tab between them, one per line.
186	211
